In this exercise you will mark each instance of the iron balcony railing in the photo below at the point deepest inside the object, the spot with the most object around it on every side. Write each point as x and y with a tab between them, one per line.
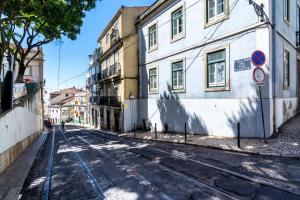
298	39
110	100
99	52
92	80
94	100
112	71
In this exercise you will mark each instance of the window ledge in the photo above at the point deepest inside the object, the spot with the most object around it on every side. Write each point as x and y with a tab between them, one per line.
178	91
287	22
217	89
216	20
178	37
153	49
153	92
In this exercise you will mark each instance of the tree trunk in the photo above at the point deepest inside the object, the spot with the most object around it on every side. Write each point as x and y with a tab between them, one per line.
21	72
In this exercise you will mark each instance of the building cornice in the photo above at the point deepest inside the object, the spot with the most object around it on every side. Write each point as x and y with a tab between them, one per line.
150	10
110	24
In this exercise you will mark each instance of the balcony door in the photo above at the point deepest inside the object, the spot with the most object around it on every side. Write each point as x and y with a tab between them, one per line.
298	80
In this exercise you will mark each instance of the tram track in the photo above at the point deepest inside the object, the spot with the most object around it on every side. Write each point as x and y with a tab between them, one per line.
177	172
97	188
47	186
287	189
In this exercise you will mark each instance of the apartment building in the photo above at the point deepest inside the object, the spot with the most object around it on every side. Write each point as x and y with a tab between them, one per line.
195	65
62	105
113	76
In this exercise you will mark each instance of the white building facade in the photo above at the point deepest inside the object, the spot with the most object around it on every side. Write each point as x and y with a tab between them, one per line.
195	66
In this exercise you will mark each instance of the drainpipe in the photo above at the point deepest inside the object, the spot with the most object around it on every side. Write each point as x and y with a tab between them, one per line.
273	46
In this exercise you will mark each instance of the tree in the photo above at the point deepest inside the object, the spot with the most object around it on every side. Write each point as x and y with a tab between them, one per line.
29	24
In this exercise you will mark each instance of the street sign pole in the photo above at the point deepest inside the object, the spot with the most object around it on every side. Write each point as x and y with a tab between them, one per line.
258	59
262	113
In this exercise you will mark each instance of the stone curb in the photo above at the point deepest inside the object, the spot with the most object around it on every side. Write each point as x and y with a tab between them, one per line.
218	148
275	155
44	134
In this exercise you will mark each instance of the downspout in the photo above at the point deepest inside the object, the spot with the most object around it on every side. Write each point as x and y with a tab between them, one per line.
273	45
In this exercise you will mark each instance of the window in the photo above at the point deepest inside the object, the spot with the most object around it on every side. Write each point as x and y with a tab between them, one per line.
116	26
216	68
107	38
153	80
107	66
116	57
177	75
177	23
286	70
286	10
215	8
152	36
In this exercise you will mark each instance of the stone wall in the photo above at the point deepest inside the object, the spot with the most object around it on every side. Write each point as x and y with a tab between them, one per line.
19	127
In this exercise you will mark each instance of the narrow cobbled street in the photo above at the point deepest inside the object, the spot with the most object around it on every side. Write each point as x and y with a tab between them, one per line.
78	163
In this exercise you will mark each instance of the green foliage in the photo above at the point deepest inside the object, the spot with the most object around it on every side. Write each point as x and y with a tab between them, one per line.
51	18
32	23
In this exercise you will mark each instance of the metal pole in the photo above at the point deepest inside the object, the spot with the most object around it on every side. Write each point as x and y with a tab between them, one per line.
262	115
239	136
134	130
155	131
185	138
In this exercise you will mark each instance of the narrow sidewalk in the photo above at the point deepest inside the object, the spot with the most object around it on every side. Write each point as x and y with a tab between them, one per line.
285	143
12	179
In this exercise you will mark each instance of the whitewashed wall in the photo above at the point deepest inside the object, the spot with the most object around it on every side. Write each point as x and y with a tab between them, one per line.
130	114
214	112
20	123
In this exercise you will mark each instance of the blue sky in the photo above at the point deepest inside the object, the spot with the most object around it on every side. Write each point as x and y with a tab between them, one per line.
74	54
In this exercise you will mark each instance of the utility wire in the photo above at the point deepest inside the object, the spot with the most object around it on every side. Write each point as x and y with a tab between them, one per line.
166	22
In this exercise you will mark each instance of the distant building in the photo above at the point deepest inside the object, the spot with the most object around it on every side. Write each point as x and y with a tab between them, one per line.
113	73
61	106
80	108
195	67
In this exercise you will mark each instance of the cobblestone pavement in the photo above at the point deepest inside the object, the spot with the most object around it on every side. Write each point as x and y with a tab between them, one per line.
87	162
285	143
12	179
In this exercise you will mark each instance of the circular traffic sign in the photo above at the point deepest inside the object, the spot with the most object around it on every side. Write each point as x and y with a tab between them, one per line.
258	58
259	75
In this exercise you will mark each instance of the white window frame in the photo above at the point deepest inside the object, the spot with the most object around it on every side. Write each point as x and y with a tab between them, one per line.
181	35
287	11
177	88
154	46
153	90
219	87
216	64
286	64
107	63
116	26
116	55
218	17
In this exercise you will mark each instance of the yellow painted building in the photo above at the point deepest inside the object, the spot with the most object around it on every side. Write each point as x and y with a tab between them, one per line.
113	79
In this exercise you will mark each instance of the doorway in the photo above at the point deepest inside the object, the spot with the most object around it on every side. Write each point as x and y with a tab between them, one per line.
298	82
108	119
96	118
117	120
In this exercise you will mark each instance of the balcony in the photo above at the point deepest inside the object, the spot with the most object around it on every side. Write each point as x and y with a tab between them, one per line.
114	37
113	71
99	52
110	100
92	80
94	100
298	39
